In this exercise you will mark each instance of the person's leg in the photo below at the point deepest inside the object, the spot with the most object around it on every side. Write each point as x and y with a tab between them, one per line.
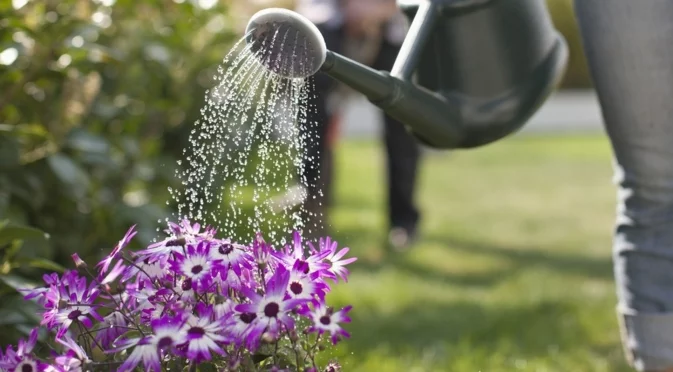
402	155
629	46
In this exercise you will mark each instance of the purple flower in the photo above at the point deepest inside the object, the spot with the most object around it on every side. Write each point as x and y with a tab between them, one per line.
196	265
160	251
243	323
191	231
70	301
74	358
180	235
291	254
305	286
167	334
21	359
336	266
116	271
145	270
261	251
233	256
104	265
112	326
326	320
41	292
203	334
272	310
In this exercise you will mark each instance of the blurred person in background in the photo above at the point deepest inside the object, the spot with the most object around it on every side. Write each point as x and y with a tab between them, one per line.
370	32
629	48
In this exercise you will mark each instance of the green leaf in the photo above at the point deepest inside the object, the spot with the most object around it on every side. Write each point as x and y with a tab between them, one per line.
17	282
40	263
207	367
9	152
10	232
87	142
70	174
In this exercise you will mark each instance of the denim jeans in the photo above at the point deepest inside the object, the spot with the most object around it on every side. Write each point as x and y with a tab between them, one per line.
629	48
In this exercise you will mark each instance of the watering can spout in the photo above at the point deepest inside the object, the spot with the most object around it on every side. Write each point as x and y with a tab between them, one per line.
469	72
427	114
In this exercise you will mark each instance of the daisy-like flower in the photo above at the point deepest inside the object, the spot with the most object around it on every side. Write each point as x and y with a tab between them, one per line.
70	301
116	271
191	231
261	251
238	324
233	256
180	235
184	288
295	252
21	358
196	264
326	320
104	265
167	334
112	326
40	292
146	271
203	334
336	266
272	310
162	250
227	279
305	286
242	325
74	358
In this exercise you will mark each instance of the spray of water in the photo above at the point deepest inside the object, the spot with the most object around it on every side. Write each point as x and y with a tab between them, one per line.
248	146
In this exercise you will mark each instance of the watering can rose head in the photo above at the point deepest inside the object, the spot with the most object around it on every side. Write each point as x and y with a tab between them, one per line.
189	299
286	43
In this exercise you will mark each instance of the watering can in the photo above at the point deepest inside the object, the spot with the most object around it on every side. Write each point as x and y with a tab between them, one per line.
469	72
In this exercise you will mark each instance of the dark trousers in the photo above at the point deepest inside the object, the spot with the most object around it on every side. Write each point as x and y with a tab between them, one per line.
402	149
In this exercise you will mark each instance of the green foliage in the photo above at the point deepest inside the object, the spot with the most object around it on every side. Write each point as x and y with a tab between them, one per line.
21	249
94	111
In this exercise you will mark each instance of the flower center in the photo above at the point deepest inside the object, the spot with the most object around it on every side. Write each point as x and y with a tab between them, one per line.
177	242
325	320
187	284
271	309
247	318
197	269
196	332
74	314
303	266
225	249
296	288
27	368
165	342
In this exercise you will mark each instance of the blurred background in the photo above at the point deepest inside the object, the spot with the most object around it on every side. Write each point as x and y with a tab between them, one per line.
512	268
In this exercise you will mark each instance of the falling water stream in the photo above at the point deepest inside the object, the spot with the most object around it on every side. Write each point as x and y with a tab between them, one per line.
247	148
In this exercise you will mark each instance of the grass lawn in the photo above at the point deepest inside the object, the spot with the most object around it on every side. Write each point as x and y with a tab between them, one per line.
512	272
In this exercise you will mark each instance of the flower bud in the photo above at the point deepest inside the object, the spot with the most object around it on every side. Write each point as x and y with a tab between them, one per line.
321	347
268	338
79	263
293	336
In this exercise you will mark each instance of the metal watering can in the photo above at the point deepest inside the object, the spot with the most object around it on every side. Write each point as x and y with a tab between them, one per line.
469	72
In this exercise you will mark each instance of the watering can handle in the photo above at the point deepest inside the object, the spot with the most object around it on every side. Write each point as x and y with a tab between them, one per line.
414	43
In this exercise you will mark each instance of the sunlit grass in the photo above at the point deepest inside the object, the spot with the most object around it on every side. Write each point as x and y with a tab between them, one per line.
512	271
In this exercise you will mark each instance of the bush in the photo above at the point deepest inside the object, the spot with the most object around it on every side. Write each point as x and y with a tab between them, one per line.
96	99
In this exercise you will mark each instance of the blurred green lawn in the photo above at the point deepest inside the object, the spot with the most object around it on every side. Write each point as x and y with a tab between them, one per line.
512	272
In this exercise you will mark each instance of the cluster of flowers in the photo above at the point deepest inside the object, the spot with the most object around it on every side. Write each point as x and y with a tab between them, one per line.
188	301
